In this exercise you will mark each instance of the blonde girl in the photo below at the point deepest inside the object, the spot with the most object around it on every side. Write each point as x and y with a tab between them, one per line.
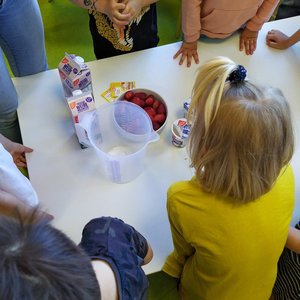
230	222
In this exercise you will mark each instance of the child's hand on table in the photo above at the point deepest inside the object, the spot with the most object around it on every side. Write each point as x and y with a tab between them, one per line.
277	39
189	52
248	41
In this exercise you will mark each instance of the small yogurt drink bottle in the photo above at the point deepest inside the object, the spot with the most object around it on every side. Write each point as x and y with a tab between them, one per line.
180	132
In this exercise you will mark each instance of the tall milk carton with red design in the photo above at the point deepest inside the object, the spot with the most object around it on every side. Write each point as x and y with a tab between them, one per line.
74	74
80	104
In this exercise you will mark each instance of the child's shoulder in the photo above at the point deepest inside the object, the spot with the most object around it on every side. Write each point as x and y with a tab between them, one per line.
184	186
286	176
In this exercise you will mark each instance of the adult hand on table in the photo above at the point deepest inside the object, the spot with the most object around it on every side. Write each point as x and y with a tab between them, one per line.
189	52
248	41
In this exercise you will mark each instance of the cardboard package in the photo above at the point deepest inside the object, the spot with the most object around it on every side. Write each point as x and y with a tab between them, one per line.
74	75
79	104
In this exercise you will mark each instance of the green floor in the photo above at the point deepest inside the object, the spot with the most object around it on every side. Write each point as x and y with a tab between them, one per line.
66	30
162	287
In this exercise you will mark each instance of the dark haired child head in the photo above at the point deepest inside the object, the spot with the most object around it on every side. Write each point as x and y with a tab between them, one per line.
39	262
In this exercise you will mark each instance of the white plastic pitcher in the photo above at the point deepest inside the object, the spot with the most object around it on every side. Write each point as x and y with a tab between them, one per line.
119	132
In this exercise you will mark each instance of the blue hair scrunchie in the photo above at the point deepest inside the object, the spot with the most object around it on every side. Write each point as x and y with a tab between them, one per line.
237	75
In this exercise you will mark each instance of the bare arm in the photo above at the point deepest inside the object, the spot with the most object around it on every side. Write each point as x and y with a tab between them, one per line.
295	38
279	40
262	15
248	37
191	27
293	241
11	206
149	255
112	8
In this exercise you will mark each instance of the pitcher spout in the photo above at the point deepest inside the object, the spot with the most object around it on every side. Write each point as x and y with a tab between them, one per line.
154	137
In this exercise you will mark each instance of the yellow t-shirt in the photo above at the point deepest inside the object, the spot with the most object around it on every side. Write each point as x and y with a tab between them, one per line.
227	251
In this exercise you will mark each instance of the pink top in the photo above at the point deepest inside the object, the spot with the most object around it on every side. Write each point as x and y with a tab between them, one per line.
221	18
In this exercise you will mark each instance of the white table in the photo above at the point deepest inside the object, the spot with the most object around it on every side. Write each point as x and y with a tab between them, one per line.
67	179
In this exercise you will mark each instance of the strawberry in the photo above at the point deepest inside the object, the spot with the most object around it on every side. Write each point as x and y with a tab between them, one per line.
150	116
142	103
136	100
161	109
150	111
155	104
155	125
128	95
149	100
141	95
159	118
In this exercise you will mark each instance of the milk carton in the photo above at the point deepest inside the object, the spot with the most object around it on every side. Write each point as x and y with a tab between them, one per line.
74	74
79	104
